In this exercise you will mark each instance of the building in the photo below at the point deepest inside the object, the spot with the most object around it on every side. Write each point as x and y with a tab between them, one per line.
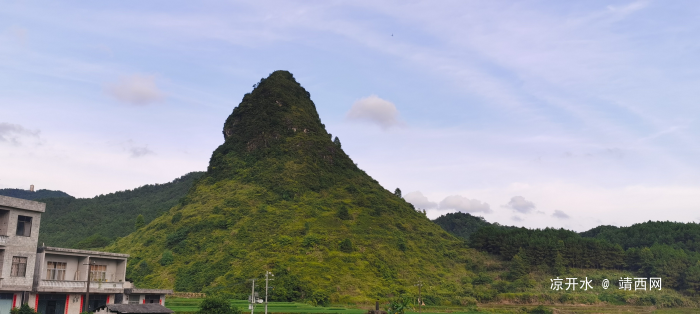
55	280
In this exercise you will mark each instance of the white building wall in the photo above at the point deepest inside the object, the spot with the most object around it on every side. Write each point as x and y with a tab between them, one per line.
20	246
71	265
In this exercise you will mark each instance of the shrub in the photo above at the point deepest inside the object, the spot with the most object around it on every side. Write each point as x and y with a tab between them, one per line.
167	258
343	213
24	309
346	246
217	305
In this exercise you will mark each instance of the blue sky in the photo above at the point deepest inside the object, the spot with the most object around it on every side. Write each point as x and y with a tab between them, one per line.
530	113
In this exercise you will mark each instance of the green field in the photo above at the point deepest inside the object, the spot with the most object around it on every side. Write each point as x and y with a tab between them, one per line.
191	305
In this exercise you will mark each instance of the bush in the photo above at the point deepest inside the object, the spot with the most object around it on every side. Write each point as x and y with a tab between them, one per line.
540	309
346	246
24	309
167	258
343	213
320	298
217	305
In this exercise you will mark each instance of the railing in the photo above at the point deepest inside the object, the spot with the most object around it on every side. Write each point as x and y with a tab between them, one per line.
97	285
3	239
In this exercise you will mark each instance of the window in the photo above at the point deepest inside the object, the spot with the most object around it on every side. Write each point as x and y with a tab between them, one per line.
98	272
19	266
55	271
152	298
134	298
24	226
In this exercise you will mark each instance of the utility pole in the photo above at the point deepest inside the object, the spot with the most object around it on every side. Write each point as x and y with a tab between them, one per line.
420	299
252	297
267	279
87	295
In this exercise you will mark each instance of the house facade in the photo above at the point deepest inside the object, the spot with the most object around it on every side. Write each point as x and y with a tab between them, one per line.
55	280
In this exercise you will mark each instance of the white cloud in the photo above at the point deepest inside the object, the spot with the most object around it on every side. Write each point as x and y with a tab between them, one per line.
419	200
463	204
13	133
136	90
375	110
560	215
137	151
520	204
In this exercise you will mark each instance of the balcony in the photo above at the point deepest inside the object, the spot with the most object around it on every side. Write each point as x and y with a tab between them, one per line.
4	239
80	286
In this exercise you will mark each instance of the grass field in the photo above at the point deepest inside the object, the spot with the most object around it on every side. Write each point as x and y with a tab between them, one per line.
191	305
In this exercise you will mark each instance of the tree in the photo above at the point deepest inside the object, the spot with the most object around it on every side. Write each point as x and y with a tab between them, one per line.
343	213
518	266
346	246
692	279
139	221
559	267
337	141
320	298
217	305
397	192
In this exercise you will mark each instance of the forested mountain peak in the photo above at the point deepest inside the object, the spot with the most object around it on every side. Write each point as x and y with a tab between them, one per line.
33	195
277	123
280	195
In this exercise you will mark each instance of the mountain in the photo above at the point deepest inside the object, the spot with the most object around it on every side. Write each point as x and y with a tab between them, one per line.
33	195
680	235
462	225
95	222
281	195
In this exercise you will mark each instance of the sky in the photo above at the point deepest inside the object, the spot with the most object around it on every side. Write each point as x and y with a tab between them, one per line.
564	114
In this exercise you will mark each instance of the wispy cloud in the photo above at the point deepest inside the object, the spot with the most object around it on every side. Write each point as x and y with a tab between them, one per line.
15	134
520	204
560	215
463	204
136	89
136	151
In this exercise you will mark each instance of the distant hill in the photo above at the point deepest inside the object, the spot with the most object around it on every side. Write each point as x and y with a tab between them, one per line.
281	195
679	235
35	195
461	225
95	222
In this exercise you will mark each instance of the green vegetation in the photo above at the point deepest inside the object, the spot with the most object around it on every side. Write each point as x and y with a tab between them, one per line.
279	195
24	309
462	225
555	250
95	222
217	305
32	196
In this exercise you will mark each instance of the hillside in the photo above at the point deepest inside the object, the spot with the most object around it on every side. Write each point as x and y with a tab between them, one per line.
280	194
33	195
462	225
95	222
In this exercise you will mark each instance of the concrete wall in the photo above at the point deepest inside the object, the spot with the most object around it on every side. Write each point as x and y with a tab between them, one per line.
72	263
20	246
111	275
74	303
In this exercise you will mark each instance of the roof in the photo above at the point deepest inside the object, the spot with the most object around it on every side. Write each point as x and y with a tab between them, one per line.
12	202
147	291
60	250
138	308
